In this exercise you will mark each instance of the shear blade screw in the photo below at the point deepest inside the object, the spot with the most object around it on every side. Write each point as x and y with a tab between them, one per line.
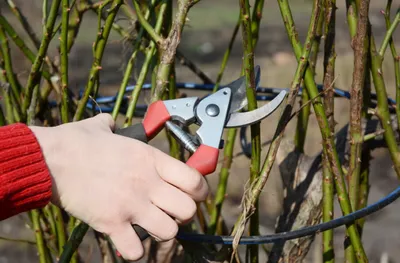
212	110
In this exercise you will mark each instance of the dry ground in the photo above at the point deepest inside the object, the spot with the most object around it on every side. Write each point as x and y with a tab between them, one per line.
204	42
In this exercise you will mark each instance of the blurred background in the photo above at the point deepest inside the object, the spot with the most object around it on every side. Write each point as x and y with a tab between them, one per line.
204	41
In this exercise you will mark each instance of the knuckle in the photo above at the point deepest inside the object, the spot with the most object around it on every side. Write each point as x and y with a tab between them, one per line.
196	182
104	116
171	231
106	119
205	192
190	210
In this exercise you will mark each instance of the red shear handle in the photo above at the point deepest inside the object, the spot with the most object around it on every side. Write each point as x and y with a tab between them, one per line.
204	159
156	116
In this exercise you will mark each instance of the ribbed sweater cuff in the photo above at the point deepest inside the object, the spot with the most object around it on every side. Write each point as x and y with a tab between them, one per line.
25	181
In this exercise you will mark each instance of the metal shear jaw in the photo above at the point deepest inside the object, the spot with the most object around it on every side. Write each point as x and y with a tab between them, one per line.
209	113
212	113
240	119
182	110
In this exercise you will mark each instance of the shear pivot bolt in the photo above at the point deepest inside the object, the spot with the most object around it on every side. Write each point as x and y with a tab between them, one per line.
212	110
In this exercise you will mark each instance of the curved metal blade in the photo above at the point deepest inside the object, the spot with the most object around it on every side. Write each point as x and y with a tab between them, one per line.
238	88
239	119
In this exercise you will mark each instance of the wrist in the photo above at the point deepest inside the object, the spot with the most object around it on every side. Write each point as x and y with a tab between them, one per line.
50	147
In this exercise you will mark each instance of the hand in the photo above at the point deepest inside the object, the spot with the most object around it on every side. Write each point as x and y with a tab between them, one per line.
110	182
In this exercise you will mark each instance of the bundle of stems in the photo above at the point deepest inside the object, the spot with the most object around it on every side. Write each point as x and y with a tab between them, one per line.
155	31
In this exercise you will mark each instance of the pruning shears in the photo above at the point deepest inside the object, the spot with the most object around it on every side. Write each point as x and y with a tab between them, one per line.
212	114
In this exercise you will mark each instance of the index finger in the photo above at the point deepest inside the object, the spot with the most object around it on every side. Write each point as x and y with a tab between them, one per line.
181	176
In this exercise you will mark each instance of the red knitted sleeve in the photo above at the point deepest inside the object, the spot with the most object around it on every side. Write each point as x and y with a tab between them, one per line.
25	181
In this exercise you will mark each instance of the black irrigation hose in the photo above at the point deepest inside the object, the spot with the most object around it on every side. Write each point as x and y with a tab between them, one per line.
307	231
246	147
